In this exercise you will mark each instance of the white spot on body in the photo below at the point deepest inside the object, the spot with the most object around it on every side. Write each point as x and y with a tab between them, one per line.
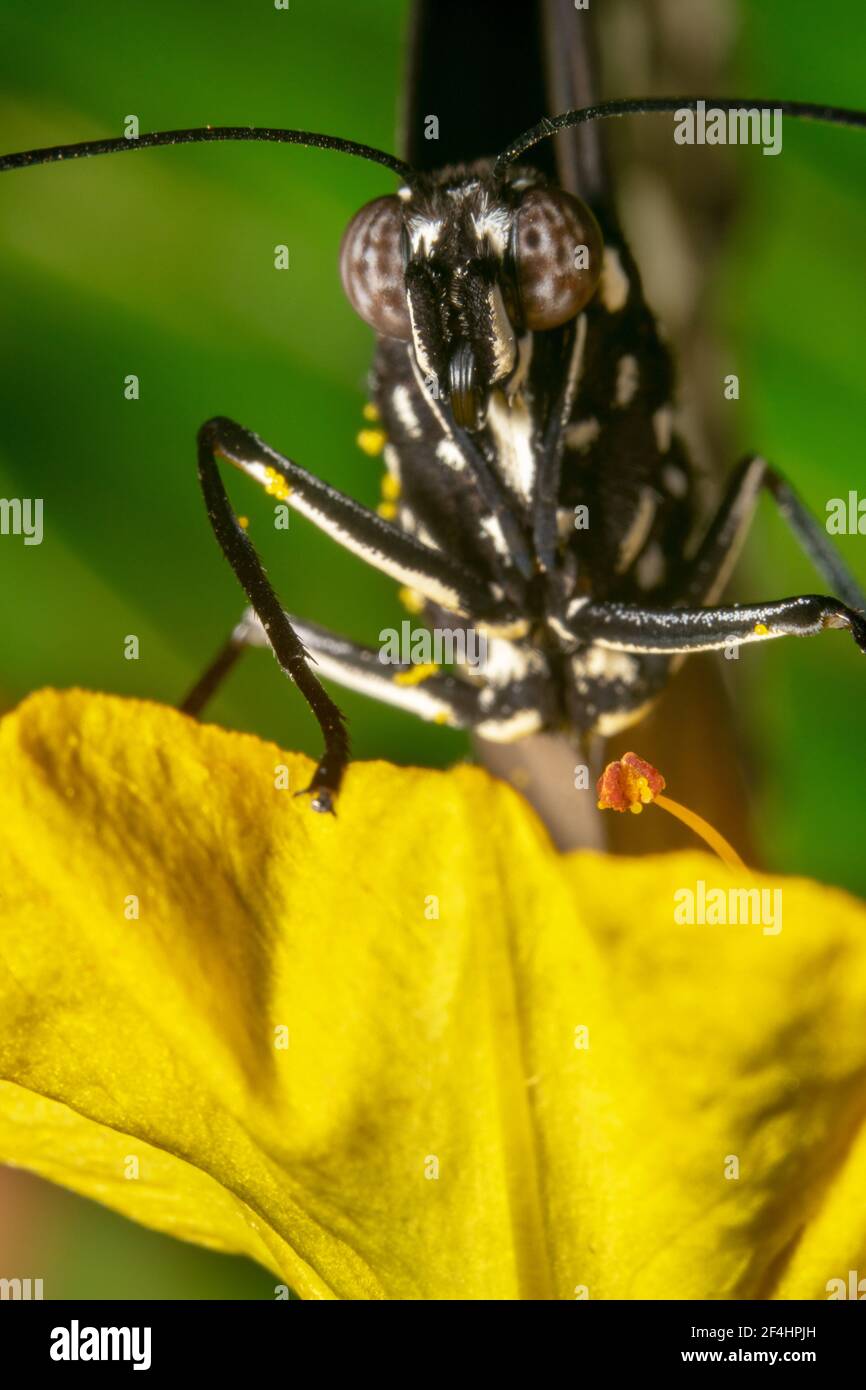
613	723
675	480
574	608
562	632
492	527
596	663
613	285
663	424
582	433
627	380
511	429
426	539
450	454
405	411
514	630
650	568
635	537
517	726
392	461
506	663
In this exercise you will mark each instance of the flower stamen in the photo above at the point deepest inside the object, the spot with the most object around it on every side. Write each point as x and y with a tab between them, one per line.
631	783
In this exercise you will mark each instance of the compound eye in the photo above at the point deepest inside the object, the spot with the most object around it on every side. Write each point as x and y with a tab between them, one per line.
558	250
371	267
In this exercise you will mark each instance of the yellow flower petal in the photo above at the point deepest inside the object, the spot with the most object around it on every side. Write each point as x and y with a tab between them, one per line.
508	1074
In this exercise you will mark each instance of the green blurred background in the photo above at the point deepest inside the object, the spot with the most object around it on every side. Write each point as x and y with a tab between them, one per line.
161	265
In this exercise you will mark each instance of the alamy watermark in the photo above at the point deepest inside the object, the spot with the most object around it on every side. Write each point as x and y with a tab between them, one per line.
846	516
742	125
422	646
854	1287
729	907
21	1289
22	516
77	1343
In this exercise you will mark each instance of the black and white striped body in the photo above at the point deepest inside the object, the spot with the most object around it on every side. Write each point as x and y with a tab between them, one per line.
596	393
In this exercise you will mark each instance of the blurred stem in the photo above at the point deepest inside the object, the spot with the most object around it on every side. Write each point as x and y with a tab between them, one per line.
542	768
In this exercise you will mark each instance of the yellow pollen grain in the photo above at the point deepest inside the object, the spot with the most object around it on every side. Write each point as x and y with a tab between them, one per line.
441	717
417	674
371	442
411	600
276	485
760	629
371	412
243	522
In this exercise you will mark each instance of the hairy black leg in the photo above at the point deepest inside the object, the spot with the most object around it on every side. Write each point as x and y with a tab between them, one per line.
683	628
432	694
814	540
430	572
628	628
223	663
429	693
364	533
705	576
287	646
550	464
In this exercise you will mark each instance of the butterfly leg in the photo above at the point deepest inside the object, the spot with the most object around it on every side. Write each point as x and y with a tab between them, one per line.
621	627
366	534
706	575
685	627
223	663
380	543
434	695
